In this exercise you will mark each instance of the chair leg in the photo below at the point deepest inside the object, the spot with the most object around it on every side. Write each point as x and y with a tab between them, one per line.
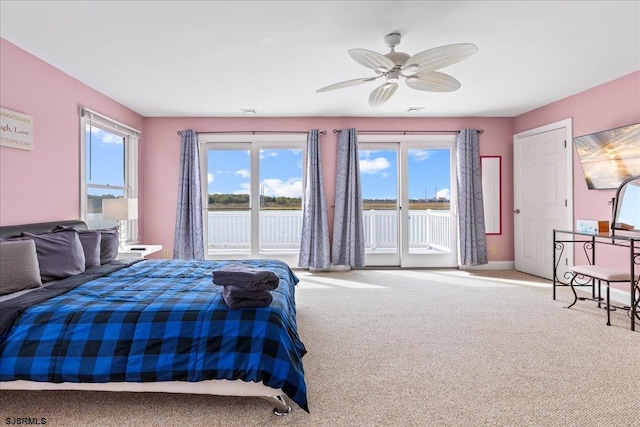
575	295
608	307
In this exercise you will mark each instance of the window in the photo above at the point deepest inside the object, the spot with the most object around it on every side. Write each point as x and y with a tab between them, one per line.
252	195
109	168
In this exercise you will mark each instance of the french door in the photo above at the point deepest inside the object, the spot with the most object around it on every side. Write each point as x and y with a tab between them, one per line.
409	193
252	196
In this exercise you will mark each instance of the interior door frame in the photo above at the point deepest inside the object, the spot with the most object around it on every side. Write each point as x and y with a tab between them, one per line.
567	125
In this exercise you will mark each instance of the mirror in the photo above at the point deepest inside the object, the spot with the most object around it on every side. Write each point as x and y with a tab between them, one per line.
626	207
490	166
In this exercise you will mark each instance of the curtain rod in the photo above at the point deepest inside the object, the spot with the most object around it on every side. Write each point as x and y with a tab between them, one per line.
253	132
404	132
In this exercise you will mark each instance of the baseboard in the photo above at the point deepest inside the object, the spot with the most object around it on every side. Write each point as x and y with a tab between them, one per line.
617	295
492	265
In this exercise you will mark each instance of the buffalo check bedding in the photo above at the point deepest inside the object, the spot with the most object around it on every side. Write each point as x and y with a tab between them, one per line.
158	320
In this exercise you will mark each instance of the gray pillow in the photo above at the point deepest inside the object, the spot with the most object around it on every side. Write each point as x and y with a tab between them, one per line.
19	269
108	245
90	240
60	254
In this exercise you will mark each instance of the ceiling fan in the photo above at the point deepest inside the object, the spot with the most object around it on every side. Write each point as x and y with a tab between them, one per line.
419	70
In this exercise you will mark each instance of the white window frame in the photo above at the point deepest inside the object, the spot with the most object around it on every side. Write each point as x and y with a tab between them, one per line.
253	143
130	188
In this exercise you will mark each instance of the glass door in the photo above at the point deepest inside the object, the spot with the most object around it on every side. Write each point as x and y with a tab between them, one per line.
228	201
428	201
380	207
408	194
253	197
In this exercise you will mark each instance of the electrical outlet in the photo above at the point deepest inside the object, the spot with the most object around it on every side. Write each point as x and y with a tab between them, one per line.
494	250
165	253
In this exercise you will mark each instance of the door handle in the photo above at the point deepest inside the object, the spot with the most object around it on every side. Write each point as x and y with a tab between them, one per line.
516	211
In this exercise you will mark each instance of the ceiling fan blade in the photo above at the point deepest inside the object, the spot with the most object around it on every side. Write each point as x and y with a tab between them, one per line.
433	81
382	93
373	60
347	84
439	57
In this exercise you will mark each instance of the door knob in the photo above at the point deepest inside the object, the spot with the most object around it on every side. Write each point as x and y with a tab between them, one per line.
516	211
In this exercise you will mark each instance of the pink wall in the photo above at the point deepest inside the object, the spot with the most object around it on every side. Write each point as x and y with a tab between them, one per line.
613	104
44	184
161	157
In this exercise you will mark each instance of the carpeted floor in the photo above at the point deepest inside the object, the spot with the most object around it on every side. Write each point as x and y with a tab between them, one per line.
413	348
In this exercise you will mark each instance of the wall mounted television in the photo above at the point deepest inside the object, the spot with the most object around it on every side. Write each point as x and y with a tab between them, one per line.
610	156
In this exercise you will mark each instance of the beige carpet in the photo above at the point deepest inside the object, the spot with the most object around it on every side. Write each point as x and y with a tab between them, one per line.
413	348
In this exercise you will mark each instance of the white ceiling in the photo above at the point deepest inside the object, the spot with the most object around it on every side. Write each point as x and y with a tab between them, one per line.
214	58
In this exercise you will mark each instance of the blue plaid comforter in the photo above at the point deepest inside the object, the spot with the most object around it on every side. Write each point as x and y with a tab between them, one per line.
159	320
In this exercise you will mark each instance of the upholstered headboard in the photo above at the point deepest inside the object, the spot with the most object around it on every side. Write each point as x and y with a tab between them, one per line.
39	228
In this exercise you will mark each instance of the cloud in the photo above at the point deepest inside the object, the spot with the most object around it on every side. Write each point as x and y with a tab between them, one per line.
244	173
105	137
374	166
268	153
279	188
210	177
445	192
420	155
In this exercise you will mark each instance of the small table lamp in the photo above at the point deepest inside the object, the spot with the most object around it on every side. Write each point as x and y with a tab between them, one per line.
120	210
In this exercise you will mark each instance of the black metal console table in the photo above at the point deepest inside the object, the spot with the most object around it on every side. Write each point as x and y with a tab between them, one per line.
589	242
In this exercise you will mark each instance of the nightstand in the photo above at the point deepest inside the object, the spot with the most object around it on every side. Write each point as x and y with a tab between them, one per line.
137	251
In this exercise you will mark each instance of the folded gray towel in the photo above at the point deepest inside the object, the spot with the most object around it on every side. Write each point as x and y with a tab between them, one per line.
237	297
250	278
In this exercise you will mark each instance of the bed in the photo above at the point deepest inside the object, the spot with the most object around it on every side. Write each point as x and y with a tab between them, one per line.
151	326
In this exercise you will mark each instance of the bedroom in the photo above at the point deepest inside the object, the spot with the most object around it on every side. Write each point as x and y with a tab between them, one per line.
48	175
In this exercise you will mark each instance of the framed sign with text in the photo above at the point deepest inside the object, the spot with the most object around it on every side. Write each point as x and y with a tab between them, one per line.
16	130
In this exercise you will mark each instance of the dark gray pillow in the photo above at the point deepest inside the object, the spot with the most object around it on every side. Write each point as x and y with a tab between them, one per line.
90	240
19	269
60	254
108	245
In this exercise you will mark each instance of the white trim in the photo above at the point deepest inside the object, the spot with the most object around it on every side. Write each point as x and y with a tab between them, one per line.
130	189
617	295
567	125
402	144
204	138
252	144
492	265
107	121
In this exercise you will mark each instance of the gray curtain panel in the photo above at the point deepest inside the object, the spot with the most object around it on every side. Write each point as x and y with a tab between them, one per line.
188	242
314	245
348	231
473	239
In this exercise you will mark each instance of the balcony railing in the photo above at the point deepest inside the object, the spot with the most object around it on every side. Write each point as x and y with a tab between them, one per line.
280	230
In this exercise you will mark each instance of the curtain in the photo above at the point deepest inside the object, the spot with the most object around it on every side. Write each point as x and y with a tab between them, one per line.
314	245
473	240
188	242
348	231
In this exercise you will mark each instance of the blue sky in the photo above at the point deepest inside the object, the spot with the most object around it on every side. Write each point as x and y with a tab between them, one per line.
107	152
429	172
228	171
281	173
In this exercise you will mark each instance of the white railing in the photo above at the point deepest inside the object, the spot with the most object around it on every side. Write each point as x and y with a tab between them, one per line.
281	229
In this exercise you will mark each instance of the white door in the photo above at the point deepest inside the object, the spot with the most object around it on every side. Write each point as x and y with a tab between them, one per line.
542	183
